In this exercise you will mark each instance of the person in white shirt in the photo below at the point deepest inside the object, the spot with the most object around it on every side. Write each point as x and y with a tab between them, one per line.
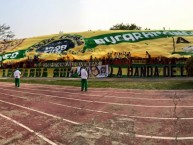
84	77
17	75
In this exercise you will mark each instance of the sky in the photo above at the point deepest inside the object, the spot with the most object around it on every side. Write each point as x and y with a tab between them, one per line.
30	18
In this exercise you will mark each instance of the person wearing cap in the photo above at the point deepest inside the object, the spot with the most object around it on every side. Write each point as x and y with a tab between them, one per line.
84	77
17	75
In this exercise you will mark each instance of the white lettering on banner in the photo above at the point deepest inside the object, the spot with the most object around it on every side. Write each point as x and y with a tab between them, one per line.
99	41
57	49
10	55
112	39
137	36
106	39
6	56
184	33
14	55
63	47
148	34
171	33
156	33
128	37
188	49
118	37
177	33
165	33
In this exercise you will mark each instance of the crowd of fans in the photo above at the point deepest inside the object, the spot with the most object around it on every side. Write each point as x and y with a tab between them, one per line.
115	58
125	58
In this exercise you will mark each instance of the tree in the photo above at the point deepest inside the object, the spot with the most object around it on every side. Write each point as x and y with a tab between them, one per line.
125	27
5	32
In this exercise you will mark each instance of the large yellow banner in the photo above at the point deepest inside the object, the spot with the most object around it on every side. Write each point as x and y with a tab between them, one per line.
103	71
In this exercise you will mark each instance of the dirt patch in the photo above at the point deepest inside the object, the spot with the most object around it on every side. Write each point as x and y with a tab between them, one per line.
113	131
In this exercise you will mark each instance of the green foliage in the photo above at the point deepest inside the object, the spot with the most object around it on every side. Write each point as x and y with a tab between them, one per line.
189	66
125	27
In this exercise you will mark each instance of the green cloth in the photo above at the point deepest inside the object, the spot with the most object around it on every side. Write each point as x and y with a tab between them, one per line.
17	82
84	84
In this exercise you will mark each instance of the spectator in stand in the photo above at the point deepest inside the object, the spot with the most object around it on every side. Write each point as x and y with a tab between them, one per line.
173	60
84	77
129	58
103	60
129	55
109	58
159	60
95	60
35	58
148	57
17	75
91	60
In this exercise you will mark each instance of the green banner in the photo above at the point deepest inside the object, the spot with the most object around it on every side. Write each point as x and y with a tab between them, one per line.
115	38
13	55
55	45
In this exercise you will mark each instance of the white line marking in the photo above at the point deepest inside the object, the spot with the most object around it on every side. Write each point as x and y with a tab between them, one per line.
136	135
30	130
139	117
163	137
155	137
100	102
105	96
54	116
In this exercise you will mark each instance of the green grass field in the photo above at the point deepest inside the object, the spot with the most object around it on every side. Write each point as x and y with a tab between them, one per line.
121	83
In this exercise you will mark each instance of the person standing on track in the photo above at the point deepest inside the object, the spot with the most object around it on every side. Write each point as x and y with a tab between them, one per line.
17	75
84	77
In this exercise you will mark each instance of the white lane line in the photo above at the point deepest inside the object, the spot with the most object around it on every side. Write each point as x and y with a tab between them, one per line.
105	112
136	135
139	117
54	116
154	137
105	96
30	130
100	102
163	137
